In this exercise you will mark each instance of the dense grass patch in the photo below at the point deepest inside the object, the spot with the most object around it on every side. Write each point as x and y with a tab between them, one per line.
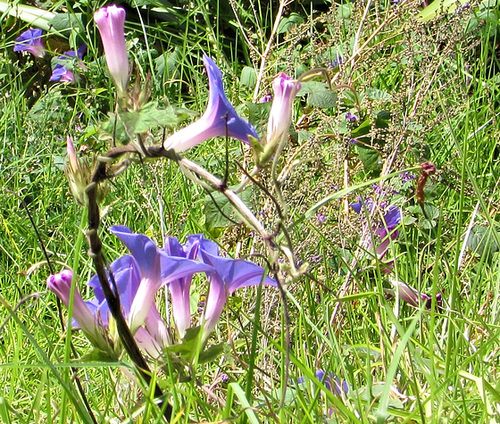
406	335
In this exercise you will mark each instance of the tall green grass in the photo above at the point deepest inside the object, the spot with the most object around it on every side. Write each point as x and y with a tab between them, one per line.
439	82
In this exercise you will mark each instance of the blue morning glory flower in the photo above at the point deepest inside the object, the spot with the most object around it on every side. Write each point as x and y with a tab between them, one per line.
219	119
31	41
62	71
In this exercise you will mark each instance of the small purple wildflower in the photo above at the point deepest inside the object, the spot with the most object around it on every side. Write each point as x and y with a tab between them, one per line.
336	62
30	41
224	378
266	98
321	218
406	177
351	117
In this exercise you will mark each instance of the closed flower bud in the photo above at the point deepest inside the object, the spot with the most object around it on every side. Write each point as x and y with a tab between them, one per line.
110	21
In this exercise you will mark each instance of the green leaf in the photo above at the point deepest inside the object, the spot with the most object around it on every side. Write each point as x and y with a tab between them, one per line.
151	116
376	94
214	218
65	23
211	353
363	129
324	99
258	113
439	7
371	159
116	129
309	87
167	64
319	94
482	241
383	119
344	11
248	77
289	22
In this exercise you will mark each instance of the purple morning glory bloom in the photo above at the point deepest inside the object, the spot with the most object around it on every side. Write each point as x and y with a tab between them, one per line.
219	119
415	298
83	313
229	275
180	288
332	384
110	21
31	41
385	229
62	70
156	268
127	278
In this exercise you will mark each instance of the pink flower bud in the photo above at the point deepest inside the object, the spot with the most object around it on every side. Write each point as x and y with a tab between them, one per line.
60	284
110	21
280	117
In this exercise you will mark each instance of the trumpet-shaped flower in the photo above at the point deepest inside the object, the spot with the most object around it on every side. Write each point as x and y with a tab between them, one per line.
280	117
156	268
219	119
110	21
385	229
62	71
83	313
415	298
229	276
180	287
31	41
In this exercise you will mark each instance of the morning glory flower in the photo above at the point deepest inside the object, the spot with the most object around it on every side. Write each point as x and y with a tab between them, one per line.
229	276
219	118
62	71
280	117
180	288
83	313
385	229
156	268
415	298
127	278
332	383
31	41
110	21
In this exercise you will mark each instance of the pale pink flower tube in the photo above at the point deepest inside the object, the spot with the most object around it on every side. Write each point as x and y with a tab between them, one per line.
110	21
